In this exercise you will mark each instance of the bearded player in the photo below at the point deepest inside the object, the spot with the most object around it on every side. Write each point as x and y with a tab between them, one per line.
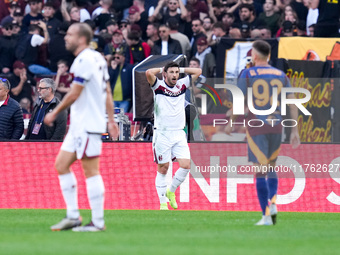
169	139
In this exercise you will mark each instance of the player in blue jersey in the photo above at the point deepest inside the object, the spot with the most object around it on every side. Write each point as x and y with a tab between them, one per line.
265	131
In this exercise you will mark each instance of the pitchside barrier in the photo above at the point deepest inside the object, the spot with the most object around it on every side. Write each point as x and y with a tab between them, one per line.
220	178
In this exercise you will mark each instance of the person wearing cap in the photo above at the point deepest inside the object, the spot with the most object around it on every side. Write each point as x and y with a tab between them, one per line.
245	30
121	81
206	58
138	50
117	44
7	47
33	16
111	26
22	83
37	130
51	22
166	45
13	8
135	17
11	121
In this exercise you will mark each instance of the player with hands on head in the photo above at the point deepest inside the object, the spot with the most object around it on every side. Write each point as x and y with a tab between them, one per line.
169	138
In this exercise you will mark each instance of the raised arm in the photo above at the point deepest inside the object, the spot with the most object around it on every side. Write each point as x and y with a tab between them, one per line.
314	4
194	72
151	74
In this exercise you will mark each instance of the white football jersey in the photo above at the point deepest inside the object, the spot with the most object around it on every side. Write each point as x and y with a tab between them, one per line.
88	112
169	110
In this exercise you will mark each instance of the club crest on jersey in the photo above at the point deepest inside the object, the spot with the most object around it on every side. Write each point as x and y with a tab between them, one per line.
160	157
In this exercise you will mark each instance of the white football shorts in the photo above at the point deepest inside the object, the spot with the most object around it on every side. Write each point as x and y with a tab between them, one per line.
83	143
168	145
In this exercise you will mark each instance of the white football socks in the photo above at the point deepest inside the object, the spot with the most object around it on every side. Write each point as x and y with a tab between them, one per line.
178	178
68	185
161	187
95	193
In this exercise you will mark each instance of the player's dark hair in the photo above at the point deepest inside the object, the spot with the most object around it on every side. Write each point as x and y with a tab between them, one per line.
262	47
169	65
86	31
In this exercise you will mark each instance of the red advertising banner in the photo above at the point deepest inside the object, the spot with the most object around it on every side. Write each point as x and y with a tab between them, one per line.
220	177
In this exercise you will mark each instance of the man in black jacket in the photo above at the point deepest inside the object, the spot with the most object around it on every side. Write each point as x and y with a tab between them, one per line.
11	120
37	130
166	45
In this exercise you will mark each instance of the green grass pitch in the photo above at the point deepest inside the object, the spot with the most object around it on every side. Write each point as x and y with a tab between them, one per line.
26	231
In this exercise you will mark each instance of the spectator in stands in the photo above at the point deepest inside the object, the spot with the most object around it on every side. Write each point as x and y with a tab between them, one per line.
106	15
83	12
121	81
73	15
51	22
34	15
11	121
16	30
111	26
227	19
13	7
27	49
25	105
22	83
57	50
63	79
166	45
173	9
290	16
245	30
198	9
152	34
311	30
138	50
98	43
182	38
219	31
248	15
104	7
117	44
270	17
198	31
7	47
206	58
328	20
135	17
37	130
207	26
265	33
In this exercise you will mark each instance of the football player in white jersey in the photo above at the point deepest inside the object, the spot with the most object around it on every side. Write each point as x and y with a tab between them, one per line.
169	138
90	96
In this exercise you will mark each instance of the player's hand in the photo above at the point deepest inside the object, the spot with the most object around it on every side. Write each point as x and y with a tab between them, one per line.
49	119
295	139
113	130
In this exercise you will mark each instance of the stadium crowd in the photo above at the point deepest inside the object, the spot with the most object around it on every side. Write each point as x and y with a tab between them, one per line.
126	32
